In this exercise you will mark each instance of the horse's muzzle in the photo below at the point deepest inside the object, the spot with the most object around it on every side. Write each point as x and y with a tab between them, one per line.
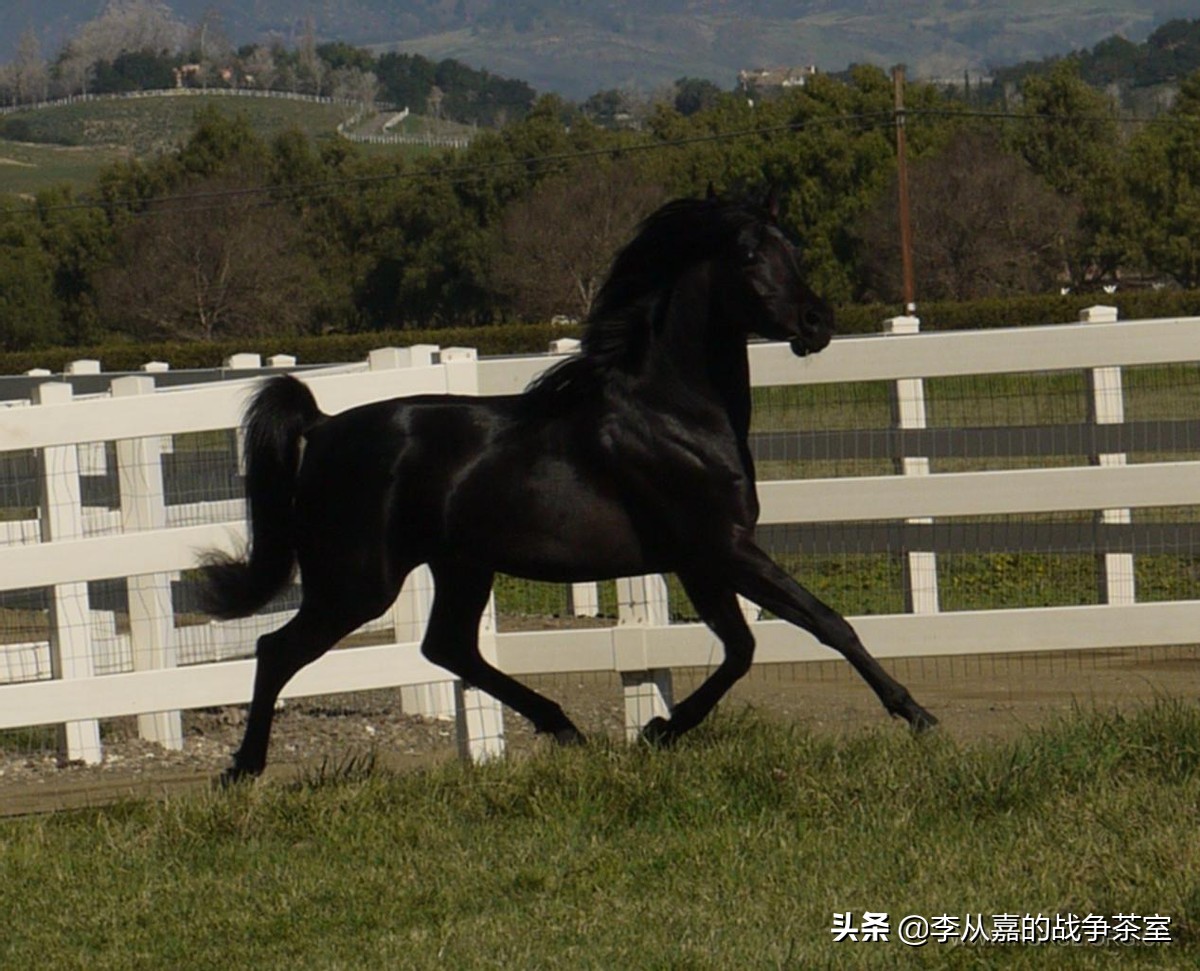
816	329
810	344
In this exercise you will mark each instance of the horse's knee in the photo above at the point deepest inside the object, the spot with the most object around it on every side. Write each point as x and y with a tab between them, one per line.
739	655
443	651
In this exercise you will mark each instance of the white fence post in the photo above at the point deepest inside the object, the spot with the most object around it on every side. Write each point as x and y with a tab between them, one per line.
642	603
908	411
480	716
70	624
151	614
419	355
583	599
1106	406
410	612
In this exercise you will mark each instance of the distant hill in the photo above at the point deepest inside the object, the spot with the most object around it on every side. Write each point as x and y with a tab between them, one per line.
577	49
1170	53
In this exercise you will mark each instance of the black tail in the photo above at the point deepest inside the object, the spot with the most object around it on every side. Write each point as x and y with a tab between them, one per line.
279	415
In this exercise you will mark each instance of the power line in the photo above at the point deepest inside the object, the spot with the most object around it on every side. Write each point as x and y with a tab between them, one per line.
458	174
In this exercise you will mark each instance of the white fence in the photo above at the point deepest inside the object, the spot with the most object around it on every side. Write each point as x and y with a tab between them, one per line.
154	666
460	139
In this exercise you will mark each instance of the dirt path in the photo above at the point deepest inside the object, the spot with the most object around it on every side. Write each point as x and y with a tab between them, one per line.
975	698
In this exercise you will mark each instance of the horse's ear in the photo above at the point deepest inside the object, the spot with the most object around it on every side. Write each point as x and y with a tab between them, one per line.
711	192
772	204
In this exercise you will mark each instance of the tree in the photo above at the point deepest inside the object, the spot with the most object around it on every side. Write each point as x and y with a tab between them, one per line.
1163	180
129	25
310	69
1068	133
212	261
123	27
143	70
28	311
556	244
1069	137
78	239
258	66
351	84
29	74
72	71
695	94
982	225
613	108
405	79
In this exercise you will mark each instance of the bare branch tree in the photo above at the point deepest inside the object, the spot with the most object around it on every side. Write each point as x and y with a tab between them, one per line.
130	25
202	267
30	76
983	225
557	243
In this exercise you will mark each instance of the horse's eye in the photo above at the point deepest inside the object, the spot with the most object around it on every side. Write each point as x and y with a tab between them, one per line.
749	256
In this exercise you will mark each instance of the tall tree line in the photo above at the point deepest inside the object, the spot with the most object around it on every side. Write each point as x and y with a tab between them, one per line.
233	234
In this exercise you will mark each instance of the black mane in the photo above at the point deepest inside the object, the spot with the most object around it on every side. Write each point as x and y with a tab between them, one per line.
676	236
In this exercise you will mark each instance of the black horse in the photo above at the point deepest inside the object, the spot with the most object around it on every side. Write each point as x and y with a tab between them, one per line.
630	457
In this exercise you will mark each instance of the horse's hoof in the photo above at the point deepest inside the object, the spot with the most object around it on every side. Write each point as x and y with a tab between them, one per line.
233	776
658	732
570	737
919	720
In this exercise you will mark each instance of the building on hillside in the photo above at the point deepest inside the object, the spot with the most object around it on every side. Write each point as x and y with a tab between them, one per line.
762	82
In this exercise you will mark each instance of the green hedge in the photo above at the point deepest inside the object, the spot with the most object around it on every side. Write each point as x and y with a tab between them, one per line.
329	349
534	338
1024	311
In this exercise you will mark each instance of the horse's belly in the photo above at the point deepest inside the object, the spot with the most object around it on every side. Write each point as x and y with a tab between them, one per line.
548	524
596	547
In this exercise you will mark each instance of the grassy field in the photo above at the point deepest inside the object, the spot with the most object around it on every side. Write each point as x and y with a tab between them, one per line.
147	125
735	849
71	143
26	169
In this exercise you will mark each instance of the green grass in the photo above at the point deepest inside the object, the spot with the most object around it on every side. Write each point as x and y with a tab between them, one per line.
72	143
27	169
147	125
732	850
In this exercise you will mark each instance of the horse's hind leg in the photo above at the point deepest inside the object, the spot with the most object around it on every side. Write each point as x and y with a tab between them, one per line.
758	577
452	641
279	655
719	609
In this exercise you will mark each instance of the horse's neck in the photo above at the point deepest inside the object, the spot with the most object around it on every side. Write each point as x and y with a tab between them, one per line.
706	352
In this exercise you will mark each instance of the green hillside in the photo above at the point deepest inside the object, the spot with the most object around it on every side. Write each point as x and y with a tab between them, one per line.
26	169
71	143
145	126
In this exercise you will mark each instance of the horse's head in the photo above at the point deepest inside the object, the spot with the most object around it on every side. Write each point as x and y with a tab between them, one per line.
766	288
730	255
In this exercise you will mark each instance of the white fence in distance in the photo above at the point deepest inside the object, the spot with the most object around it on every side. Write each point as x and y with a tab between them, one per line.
147	544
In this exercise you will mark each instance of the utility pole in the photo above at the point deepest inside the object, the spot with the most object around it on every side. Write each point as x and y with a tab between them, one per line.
906	259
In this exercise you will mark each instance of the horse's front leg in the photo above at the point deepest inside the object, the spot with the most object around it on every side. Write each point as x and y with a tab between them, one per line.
718	608
759	578
452	641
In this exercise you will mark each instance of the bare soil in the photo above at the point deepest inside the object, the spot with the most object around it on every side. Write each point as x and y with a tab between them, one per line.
976	698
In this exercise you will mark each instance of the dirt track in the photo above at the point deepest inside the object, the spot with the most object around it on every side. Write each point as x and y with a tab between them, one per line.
975	698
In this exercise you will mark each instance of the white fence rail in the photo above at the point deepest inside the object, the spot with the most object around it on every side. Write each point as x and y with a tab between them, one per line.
164	666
